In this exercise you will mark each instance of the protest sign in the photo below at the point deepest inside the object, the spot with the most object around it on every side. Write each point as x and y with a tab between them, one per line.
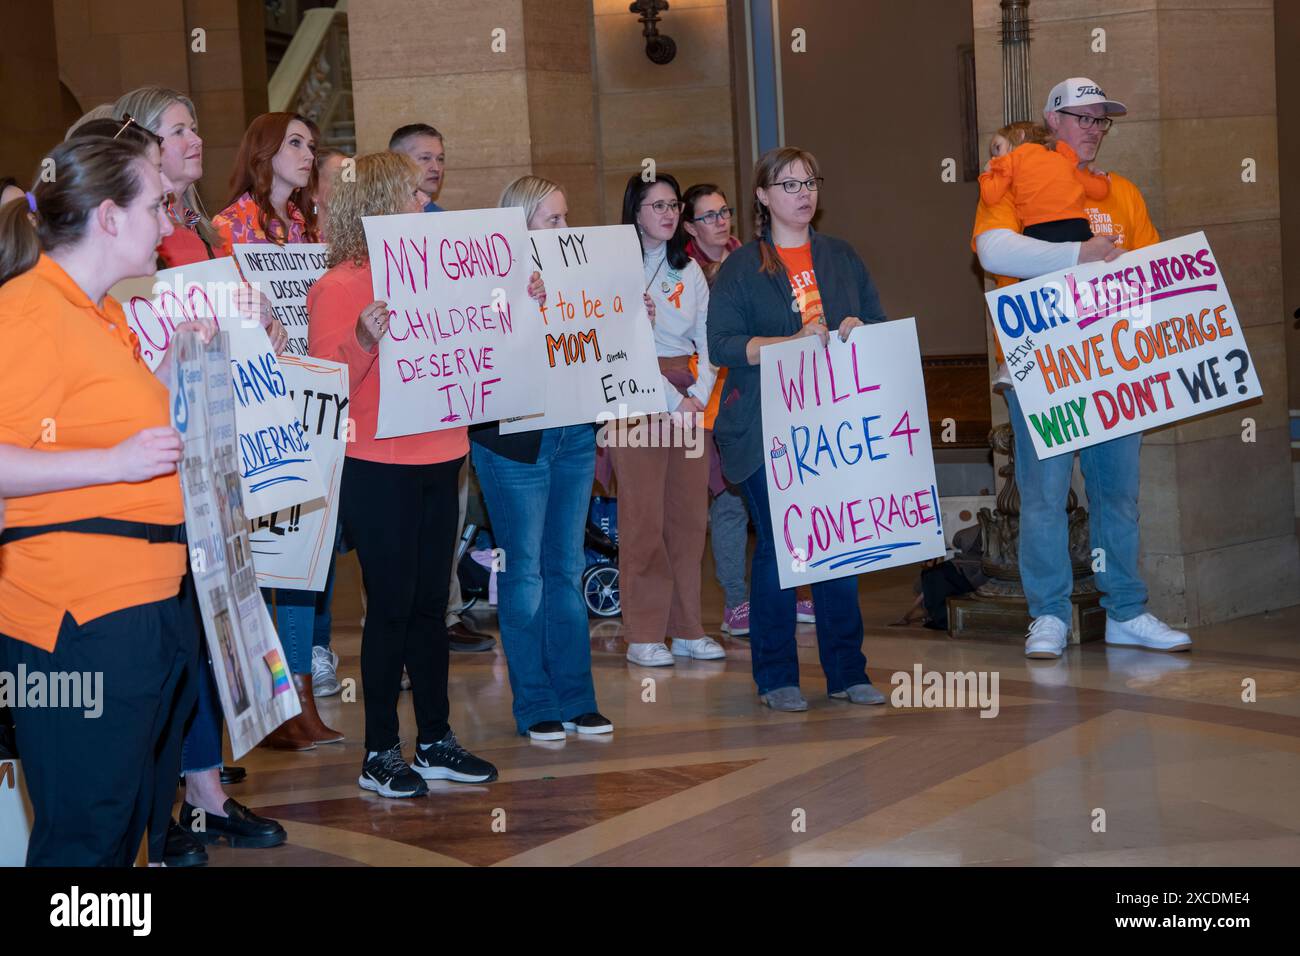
460	343
292	549
598	345
284	274
1107	349
846	439
275	458
257	694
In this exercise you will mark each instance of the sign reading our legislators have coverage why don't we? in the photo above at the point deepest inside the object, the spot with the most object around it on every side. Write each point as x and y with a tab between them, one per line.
274	453
462	331
597	356
284	274
846	439
1108	349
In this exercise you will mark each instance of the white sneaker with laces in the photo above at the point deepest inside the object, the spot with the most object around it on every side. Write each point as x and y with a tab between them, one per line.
1146	630
1047	638
324	672
701	649
650	655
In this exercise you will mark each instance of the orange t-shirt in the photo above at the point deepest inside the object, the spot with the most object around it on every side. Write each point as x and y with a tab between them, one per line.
798	262
1046	185
333	305
74	380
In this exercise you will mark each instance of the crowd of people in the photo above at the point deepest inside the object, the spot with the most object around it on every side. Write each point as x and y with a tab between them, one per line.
93	572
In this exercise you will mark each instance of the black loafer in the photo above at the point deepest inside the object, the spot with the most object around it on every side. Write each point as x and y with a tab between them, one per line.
182	848
240	827
231	775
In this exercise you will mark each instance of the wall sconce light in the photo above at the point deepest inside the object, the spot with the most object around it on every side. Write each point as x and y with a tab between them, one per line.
659	48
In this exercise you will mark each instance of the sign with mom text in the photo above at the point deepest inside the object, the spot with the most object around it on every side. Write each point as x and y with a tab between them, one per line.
284	274
597	355
275	460
846	439
462	330
1107	349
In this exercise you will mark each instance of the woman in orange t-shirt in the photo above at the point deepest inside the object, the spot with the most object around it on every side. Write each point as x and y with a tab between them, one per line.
92	558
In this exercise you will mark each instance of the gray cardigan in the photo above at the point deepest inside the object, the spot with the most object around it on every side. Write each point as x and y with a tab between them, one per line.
744	303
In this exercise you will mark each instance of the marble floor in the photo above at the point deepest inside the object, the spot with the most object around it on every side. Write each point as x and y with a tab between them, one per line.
1109	756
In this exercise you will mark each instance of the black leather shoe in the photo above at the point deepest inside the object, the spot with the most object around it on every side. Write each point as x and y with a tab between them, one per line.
182	848
240	827
463	640
231	775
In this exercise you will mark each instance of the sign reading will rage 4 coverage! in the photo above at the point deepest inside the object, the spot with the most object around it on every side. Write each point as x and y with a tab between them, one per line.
1112	348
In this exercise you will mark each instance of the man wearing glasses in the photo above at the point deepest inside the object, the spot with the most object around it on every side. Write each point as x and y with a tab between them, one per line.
1079	114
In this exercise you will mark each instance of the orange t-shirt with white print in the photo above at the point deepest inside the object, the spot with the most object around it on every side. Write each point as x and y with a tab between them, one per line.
798	262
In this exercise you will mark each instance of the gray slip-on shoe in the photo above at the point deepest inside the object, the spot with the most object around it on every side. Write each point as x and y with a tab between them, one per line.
786	699
860	694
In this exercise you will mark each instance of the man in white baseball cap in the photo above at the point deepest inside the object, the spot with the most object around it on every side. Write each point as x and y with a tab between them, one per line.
1078	112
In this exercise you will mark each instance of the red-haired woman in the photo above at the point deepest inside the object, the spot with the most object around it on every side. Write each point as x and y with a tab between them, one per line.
273	182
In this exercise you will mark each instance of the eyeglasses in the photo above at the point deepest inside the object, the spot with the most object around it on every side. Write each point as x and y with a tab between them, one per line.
127	121
709	218
662	206
794	185
1102	123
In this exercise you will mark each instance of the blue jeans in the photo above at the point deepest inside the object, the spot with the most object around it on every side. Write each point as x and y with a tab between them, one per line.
295	623
1110	474
539	514
772	613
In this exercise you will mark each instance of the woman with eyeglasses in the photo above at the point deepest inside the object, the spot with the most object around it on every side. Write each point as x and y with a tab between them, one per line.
663	491
790	282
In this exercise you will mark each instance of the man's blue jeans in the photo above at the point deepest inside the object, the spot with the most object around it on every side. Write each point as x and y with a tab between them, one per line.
1110	474
772	622
539	516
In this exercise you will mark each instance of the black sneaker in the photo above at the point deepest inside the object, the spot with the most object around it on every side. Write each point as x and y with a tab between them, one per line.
547	730
593	723
448	760
388	775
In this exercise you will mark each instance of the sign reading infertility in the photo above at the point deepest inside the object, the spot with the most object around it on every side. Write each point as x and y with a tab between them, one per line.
599	347
1111	348
253	682
846	439
284	274
275	459
462	330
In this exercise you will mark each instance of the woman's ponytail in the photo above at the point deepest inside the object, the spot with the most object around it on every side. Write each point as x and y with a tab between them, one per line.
19	245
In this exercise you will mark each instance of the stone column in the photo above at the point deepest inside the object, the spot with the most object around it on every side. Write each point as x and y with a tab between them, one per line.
1218	534
507	82
31	112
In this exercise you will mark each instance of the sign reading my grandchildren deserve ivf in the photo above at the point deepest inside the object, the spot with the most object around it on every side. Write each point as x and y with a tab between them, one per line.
275	459
284	274
599	349
462	330
846	441
1111	348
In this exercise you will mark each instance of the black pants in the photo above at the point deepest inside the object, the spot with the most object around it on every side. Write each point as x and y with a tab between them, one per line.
95	781
1061	230
402	521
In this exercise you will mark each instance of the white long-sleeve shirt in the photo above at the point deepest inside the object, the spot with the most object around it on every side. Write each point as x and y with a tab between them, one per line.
680	316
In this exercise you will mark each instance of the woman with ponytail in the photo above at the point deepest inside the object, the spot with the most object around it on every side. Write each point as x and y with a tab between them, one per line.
788	283
93	550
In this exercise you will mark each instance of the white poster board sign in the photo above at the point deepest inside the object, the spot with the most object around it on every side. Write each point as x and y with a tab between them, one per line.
846	439
274	453
292	549
460	344
597	355
253	682
1107	349
284	274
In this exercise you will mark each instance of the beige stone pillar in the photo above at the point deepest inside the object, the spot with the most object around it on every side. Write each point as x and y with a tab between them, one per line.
1218	535
31	113
507	82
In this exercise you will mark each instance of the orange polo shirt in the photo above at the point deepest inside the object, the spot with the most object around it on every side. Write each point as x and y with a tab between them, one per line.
74	380
333	305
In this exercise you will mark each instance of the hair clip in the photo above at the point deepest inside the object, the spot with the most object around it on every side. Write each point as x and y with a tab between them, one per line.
31	201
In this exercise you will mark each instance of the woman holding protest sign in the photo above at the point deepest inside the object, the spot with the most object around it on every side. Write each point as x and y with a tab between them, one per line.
789	282
537	487
93	555
663	488
398	502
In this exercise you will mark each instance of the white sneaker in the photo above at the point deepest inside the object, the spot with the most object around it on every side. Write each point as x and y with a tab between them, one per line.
702	649
1047	638
324	672
650	655
1002	379
1146	630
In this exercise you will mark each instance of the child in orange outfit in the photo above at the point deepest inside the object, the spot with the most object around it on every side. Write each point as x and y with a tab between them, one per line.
1044	181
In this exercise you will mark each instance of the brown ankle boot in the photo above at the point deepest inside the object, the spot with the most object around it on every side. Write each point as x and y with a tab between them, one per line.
311	723
290	735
